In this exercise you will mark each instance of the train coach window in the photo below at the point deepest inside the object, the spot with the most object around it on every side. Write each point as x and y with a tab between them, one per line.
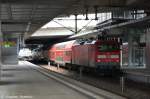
52	53
67	53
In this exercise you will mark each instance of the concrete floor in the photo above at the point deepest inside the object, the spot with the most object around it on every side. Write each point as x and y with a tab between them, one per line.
22	82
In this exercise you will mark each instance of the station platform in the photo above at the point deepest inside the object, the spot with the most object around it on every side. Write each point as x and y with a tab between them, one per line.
22	82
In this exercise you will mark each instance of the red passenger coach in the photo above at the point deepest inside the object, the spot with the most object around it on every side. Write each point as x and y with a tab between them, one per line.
60	53
51	53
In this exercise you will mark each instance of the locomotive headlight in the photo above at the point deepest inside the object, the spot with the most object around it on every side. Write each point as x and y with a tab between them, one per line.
114	56
101	56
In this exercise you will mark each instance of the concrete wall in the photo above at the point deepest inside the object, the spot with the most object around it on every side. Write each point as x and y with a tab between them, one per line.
9	53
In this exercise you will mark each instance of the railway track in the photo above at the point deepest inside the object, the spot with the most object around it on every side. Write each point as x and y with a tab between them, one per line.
132	90
90	91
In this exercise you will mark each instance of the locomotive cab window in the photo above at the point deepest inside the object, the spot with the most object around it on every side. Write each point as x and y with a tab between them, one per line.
108	47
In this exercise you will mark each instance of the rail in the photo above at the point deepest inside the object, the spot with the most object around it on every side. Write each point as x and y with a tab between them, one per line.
146	75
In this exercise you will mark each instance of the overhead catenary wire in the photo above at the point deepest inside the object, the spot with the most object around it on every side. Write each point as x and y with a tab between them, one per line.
84	27
64	26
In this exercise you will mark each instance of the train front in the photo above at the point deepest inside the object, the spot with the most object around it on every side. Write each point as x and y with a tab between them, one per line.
108	54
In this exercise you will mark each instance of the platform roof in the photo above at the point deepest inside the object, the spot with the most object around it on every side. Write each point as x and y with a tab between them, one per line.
26	16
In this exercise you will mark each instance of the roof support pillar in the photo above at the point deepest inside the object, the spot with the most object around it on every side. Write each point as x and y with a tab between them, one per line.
0	50
76	24
130	50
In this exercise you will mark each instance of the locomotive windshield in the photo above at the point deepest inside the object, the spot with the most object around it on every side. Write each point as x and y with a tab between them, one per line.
108	47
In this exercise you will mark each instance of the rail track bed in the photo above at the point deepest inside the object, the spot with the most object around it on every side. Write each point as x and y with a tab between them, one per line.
130	89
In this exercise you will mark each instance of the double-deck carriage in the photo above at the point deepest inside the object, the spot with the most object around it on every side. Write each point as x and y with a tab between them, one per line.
61	53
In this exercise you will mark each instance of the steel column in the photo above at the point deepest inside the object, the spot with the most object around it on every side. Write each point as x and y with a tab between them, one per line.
130	50
0	50
80	72
0	44
76	24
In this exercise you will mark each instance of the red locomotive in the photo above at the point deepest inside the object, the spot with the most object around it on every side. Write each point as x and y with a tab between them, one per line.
102	54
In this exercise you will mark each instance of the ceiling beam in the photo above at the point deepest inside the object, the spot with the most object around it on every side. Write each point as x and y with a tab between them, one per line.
9	11
47	2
